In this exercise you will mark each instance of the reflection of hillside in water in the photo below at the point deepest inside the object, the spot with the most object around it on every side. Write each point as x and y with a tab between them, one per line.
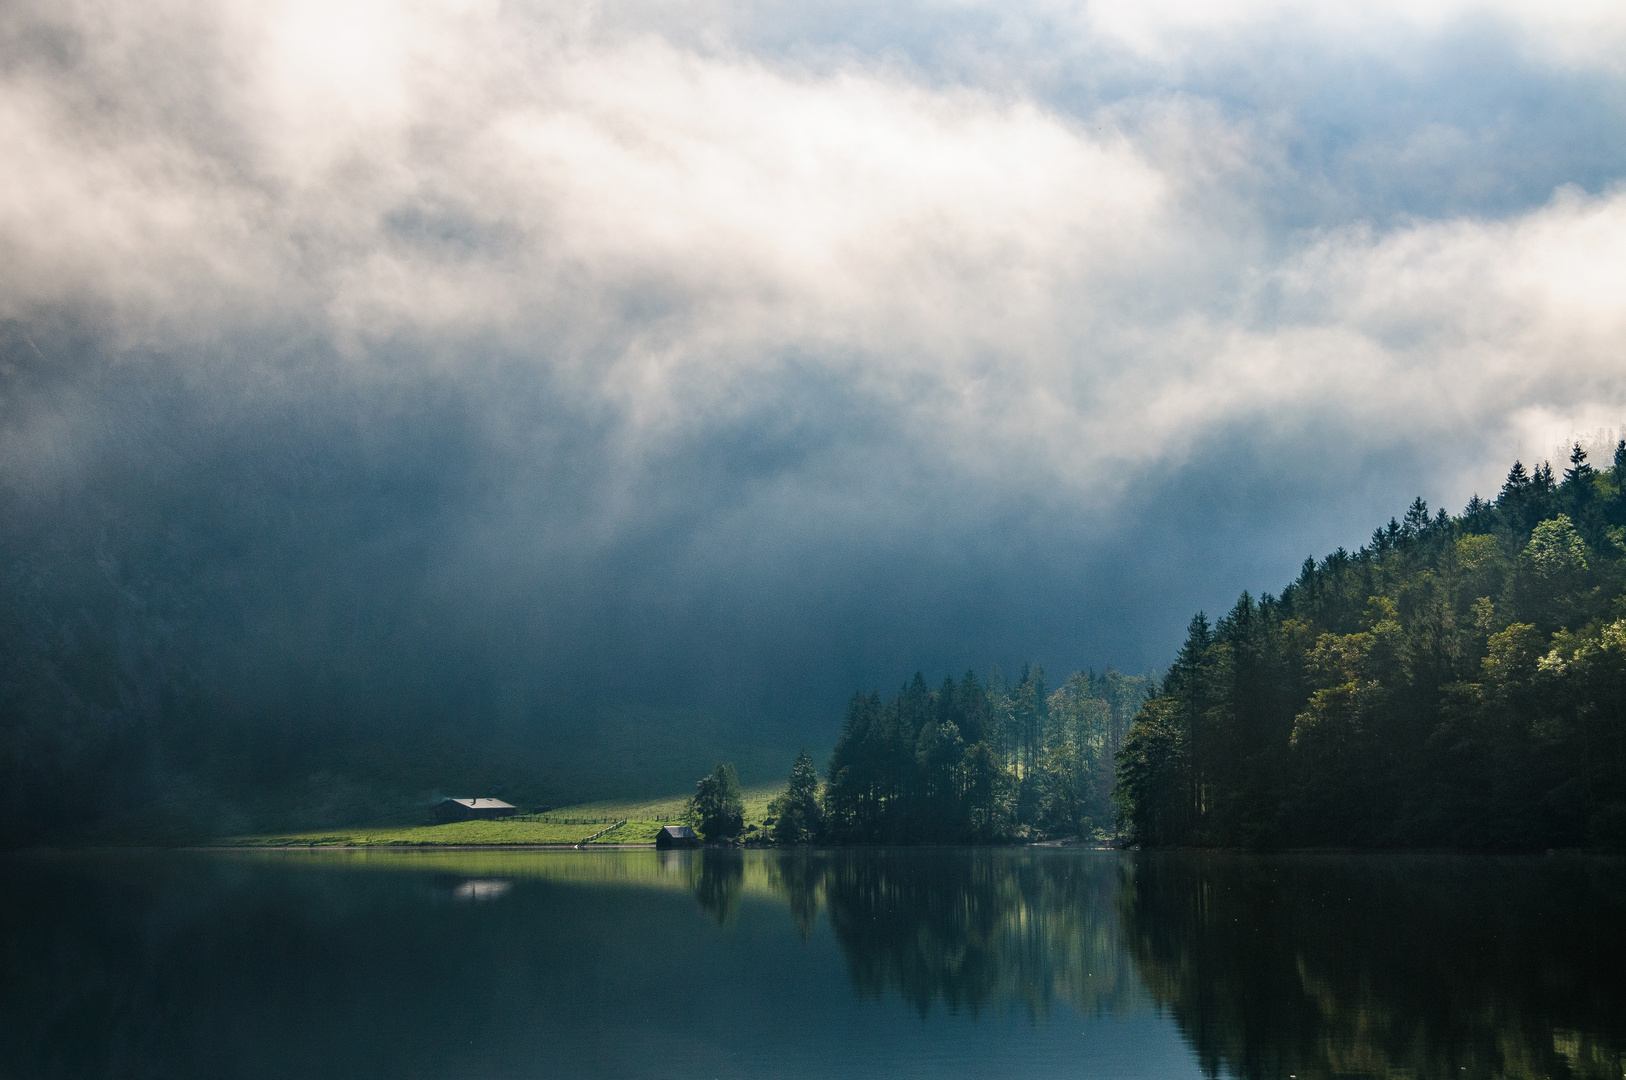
971	928
1386	966
1308	966
967	928
717	878
185	964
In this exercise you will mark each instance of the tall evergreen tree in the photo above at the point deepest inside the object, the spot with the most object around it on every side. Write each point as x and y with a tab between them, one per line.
796	811
718	806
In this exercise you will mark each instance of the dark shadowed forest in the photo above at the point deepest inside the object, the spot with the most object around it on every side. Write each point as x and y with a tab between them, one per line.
1457	681
969	762
974	762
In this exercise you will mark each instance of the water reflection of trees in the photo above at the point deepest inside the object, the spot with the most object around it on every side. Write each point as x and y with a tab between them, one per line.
1326	966
1308	966
1316	966
717	878
799	877
968	928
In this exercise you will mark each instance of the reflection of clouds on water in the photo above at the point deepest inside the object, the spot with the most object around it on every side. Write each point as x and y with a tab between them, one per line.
482	889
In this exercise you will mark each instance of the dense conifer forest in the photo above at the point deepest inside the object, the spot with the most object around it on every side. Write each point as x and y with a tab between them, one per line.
969	762
1458	681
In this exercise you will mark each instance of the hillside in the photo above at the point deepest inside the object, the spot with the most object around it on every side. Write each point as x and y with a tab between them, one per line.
635	821
1459	680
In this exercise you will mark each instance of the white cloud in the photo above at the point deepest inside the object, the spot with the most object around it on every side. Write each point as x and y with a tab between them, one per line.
664	228
1579	32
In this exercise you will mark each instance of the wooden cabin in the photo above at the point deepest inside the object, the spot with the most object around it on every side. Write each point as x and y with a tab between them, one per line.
672	836
445	810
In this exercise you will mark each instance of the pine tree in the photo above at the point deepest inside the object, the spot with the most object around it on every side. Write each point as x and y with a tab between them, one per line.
1518	481
1417	520
797	814
1579	471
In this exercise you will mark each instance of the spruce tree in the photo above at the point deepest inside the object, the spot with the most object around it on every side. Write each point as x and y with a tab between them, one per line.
796	811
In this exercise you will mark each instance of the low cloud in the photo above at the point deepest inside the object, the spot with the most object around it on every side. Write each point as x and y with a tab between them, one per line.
613	322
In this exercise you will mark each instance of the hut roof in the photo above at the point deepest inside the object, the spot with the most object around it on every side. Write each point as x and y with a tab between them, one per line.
679	832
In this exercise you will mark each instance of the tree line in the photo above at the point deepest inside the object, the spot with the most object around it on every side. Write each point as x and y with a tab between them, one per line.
1458	680
969	761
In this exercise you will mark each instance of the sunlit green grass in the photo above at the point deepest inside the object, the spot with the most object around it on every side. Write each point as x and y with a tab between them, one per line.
562	825
645	817
499	831
666	810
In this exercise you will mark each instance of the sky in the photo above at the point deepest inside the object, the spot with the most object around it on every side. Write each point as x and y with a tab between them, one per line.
504	361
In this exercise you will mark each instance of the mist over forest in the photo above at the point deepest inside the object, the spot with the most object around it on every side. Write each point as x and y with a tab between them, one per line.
553	402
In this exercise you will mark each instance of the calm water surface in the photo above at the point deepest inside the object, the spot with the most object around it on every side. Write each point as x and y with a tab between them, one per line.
929	963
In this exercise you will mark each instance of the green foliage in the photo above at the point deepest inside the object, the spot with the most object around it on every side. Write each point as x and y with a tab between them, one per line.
1459	680
718	808
796	812
1556	551
1154	791
973	763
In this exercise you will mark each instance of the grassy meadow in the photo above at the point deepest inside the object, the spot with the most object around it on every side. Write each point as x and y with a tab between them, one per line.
561	825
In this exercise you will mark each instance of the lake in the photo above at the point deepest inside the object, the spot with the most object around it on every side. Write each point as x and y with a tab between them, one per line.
894	963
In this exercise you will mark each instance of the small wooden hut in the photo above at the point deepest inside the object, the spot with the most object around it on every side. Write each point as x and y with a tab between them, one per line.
445	810
672	836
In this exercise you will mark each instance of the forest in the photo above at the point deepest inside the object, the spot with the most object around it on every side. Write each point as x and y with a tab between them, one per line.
968	762
1458	681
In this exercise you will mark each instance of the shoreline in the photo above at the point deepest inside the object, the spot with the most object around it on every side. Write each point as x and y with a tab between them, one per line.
409	847
1047	845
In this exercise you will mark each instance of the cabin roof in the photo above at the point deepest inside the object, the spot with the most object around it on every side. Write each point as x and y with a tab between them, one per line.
678	832
481	804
